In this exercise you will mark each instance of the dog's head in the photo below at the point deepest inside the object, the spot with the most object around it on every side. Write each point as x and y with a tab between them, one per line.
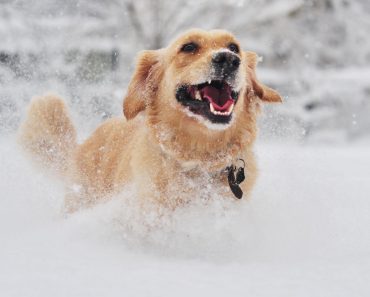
203	79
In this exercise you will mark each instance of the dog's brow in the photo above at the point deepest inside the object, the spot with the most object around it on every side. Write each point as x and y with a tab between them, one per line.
192	38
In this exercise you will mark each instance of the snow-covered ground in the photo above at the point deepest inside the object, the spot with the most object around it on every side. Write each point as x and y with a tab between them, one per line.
305	232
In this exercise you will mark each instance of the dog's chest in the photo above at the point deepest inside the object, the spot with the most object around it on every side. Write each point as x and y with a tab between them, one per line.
194	182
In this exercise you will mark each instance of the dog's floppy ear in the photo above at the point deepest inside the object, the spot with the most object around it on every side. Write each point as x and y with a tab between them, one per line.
260	90
143	83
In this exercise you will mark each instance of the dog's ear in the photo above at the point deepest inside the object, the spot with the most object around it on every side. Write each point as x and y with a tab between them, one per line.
260	90
143	84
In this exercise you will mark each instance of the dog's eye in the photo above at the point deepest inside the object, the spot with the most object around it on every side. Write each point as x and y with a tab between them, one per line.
233	47
189	47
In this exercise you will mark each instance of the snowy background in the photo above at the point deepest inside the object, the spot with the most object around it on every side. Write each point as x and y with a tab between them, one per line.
306	230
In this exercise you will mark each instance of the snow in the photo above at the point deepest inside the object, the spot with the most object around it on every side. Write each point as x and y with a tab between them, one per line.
305	232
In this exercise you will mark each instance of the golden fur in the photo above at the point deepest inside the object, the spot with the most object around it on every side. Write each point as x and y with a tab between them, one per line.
167	154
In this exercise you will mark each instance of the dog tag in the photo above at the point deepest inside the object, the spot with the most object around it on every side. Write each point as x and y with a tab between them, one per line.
233	184
231	176
237	191
240	177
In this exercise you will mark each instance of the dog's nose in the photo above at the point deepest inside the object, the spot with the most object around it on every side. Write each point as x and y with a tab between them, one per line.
228	62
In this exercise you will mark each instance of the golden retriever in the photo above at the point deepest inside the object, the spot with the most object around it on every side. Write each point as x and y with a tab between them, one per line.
190	113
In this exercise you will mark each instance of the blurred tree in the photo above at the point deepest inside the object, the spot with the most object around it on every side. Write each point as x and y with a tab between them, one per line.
153	23
319	50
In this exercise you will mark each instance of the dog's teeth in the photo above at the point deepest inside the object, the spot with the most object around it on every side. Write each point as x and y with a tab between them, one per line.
209	81
224	113
230	109
197	95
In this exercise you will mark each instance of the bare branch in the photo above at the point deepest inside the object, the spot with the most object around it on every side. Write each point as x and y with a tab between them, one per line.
135	20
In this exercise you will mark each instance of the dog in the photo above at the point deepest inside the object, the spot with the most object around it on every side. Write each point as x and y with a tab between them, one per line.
189	128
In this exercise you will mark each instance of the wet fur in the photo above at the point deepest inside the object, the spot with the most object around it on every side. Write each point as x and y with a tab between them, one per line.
158	147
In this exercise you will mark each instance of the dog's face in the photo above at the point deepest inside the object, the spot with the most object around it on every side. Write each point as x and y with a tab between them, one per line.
202	79
207	75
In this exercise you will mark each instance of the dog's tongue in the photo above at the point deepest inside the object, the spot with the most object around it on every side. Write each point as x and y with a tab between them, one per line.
220	98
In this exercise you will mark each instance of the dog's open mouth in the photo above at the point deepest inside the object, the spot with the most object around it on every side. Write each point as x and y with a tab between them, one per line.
214	100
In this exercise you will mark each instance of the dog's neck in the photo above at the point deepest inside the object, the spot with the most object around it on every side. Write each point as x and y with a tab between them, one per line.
192	146
190	154
169	155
